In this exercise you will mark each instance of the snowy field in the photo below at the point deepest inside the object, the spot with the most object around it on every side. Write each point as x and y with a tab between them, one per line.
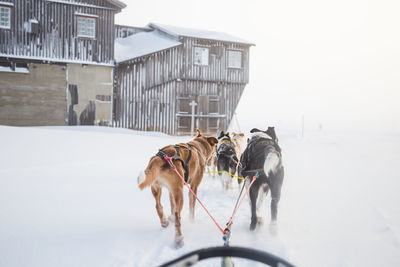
69	197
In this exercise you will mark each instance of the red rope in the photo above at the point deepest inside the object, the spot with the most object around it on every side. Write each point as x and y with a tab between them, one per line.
169	160
234	213
237	163
183	180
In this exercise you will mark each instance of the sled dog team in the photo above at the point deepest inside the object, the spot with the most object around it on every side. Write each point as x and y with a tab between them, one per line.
225	156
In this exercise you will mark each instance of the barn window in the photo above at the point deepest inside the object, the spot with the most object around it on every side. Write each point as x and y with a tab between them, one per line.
86	26
5	17
201	55
234	59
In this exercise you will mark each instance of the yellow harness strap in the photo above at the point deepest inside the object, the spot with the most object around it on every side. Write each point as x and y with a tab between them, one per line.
228	173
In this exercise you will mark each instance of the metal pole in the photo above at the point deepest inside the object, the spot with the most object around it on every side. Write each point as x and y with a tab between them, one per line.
227	261
193	104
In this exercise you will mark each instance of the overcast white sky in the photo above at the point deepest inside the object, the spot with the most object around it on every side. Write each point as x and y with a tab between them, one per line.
336	62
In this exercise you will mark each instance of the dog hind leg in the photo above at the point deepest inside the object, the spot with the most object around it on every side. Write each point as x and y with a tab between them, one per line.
276	194
178	196
262	194
192	202
232	171
227	180
173	208
156	190
253	201
223	168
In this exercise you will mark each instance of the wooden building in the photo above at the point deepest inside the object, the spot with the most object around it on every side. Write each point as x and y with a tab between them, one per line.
57	61
162	69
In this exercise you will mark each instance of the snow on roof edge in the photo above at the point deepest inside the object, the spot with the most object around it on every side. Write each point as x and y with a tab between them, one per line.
201	34
117	3
141	44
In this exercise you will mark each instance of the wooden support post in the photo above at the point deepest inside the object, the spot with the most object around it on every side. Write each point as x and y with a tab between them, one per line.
193	104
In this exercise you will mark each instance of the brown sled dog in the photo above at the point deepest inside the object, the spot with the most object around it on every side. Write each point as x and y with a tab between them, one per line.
211	165
238	145
190	160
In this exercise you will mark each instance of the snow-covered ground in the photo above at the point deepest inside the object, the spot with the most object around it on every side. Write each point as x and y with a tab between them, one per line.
69	197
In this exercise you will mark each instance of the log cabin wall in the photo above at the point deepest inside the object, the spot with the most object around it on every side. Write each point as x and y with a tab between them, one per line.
56	37
155	92
145	91
215	87
217	68
216	104
53	72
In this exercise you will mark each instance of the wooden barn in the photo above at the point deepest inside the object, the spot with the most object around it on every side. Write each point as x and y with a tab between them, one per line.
57	61
171	79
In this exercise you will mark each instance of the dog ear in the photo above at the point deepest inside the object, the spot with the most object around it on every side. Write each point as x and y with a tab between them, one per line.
241	134
271	132
255	130
198	133
221	134
212	140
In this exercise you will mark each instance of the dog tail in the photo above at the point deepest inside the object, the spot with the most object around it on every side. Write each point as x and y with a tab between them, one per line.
149	175
271	163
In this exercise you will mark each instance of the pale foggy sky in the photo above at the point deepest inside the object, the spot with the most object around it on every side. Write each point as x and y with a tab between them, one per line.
336	62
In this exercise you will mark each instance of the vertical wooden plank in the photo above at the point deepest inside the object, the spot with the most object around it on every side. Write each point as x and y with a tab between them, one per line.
123	84
121	89
127	100
141	94
128	97
138	96
21	33
131	104
134	96
126	89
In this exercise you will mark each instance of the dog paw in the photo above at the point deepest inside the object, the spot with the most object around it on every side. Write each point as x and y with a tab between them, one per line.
164	223
260	220
253	225
179	241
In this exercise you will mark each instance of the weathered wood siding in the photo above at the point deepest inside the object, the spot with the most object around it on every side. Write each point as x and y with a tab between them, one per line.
57	38
153	93
217	69
216	104
145	91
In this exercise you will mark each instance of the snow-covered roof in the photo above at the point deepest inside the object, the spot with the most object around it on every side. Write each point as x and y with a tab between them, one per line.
203	34
117	3
141	44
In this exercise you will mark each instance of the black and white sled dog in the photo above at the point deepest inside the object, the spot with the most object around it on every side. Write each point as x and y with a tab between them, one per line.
226	160
263	155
